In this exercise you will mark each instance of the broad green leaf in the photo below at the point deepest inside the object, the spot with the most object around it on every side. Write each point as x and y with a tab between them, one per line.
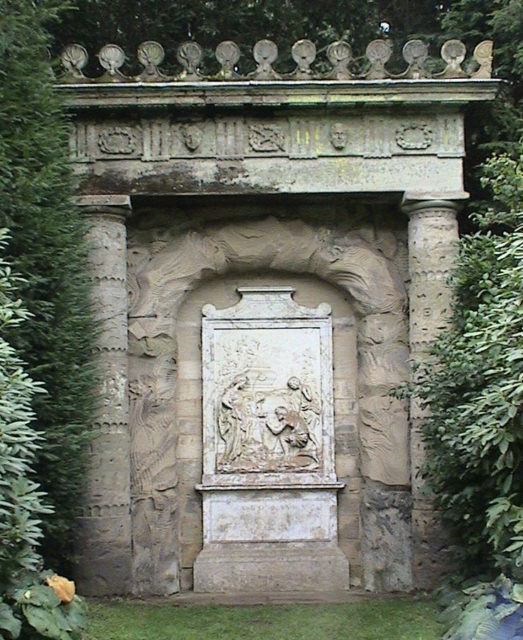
40	595
8	621
43	621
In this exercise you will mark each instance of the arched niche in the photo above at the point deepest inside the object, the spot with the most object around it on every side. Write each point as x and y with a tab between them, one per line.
169	279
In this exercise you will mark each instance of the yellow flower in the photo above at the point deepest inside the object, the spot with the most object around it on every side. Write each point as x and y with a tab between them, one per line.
63	588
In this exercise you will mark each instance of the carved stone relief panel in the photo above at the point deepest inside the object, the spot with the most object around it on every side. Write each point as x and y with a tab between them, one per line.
193	138
266	137
267	391
414	137
118	141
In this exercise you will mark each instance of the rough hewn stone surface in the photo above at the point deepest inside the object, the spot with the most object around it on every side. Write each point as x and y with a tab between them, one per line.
386	539
160	256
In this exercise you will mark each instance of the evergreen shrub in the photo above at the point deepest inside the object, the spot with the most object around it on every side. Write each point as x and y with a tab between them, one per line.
474	386
29	609
48	249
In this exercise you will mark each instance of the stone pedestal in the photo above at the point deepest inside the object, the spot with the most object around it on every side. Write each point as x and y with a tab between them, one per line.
271	539
269	486
104	550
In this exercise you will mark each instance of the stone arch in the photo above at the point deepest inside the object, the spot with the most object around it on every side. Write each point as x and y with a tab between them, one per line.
269	243
161	277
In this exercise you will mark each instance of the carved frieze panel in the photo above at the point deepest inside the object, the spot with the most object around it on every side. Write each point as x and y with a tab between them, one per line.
266	137
193	138
118	141
412	136
376	135
267	387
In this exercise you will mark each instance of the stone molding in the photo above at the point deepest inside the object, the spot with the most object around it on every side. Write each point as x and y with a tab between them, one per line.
109	203
370	135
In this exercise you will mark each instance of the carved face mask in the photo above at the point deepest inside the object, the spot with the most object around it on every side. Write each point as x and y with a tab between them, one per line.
338	136
192	137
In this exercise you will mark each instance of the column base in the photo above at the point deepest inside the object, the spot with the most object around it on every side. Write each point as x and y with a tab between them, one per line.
104	556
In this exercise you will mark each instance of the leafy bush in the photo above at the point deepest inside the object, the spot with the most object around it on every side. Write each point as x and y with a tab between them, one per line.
484	611
474	385
32	610
48	249
20	499
26	604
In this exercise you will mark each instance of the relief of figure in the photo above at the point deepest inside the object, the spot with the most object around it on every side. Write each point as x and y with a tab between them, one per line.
295	437
233	418
304	402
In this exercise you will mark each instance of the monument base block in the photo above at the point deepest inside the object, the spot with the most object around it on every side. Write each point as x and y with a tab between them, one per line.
255	567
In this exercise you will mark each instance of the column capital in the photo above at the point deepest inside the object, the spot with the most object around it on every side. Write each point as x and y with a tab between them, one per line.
109	204
418	203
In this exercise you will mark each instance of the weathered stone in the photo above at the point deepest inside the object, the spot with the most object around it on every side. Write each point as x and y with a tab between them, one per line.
268	460
386	540
326	162
105	560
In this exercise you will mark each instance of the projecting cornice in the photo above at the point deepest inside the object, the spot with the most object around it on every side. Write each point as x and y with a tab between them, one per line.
291	94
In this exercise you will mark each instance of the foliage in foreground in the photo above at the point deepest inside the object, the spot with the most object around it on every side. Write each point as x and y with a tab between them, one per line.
474	434
373	619
48	250
36	607
28	608
20	498
484	611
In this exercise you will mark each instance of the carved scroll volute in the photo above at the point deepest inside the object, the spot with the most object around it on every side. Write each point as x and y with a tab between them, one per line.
453	53
189	55
150	55
483	56
74	58
227	54
415	52
265	52
111	58
339	54
378	53
303	53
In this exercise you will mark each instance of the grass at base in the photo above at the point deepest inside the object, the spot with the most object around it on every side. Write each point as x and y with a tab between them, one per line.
368	620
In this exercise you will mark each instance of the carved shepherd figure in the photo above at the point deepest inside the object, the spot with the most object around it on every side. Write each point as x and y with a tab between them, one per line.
233	418
303	402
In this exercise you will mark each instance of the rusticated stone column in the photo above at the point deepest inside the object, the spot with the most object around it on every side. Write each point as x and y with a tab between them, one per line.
433	248
105	559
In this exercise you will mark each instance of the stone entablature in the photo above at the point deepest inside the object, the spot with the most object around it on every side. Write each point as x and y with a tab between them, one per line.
386	136
286	179
310	136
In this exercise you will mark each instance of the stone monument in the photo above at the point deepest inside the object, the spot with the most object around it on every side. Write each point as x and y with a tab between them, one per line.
269	484
271	460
